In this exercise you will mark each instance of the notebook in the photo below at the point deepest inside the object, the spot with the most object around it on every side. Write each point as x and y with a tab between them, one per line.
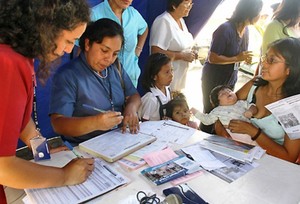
114	145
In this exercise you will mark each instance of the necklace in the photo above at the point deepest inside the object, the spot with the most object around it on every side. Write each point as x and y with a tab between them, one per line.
102	77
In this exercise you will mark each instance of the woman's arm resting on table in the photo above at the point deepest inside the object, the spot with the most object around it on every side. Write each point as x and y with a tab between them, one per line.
77	126
289	150
19	173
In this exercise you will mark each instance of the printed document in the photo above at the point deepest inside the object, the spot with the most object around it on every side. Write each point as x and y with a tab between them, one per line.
103	179
114	145
287	112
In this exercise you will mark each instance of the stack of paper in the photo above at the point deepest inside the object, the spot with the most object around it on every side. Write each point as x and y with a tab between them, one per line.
114	145
228	147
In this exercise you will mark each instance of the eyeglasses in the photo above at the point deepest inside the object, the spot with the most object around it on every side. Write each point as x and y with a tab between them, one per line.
270	60
188	5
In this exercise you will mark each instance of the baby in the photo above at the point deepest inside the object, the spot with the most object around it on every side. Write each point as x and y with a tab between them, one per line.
178	110
227	107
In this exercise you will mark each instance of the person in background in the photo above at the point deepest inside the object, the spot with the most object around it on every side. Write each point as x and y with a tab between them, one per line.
135	31
90	93
285	23
169	35
228	48
280	78
178	110
156	79
33	29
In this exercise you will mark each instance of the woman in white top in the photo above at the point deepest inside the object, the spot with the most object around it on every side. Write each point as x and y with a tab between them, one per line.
169	35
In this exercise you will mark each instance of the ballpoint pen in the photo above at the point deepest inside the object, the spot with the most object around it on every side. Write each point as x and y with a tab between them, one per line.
70	147
93	108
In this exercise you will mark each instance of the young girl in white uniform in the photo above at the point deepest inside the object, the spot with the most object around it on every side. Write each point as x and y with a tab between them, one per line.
157	76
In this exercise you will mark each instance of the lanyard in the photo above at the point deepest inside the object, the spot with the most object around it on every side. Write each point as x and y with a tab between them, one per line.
35	118
108	91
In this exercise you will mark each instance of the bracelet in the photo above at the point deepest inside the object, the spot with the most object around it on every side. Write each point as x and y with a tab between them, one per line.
256	135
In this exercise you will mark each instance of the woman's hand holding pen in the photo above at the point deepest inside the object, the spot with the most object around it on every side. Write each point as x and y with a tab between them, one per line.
108	120
78	170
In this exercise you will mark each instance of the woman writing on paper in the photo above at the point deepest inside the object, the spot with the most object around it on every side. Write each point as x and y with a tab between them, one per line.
92	83
280	78
33	29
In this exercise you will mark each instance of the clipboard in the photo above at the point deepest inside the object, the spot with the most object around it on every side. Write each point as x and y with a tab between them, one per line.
115	145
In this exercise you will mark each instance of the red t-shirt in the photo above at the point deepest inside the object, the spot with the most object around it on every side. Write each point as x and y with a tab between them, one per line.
16	92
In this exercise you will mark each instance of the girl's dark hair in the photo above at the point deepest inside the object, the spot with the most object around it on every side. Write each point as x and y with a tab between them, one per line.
178	100
289	49
173	3
214	94
98	30
288	10
31	27
153	66
246	10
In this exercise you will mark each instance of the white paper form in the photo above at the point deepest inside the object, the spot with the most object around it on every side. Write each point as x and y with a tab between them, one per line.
103	179
114	145
287	112
174	132
153	147
204	157
58	159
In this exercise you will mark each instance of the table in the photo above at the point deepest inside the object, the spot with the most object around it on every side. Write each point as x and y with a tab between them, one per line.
273	181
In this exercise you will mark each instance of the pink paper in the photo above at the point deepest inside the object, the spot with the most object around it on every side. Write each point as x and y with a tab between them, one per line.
159	157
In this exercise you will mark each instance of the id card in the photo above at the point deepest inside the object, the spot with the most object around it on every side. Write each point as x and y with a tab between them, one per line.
40	148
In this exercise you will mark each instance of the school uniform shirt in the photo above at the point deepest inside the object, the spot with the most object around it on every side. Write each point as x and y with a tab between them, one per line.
133	25
75	84
149	110
16	82
166	34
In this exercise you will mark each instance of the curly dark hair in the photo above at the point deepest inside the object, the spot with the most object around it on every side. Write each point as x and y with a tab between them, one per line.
289	49
31	27
153	66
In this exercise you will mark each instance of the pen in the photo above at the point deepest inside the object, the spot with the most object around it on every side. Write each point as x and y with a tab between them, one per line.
185	128
72	149
93	108
128	147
